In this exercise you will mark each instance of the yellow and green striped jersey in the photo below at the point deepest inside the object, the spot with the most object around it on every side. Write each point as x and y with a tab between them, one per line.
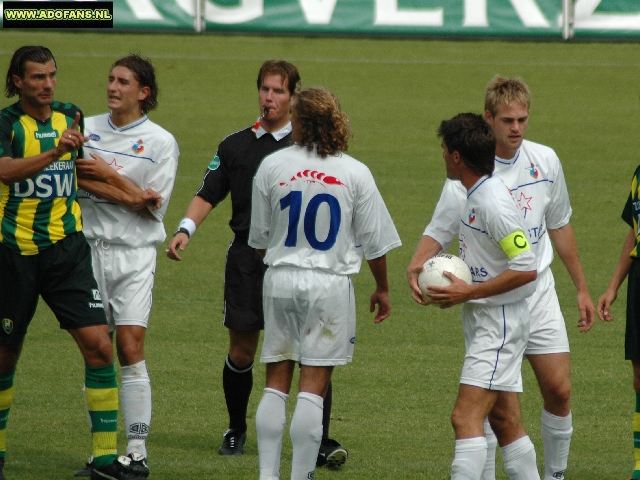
41	210
631	212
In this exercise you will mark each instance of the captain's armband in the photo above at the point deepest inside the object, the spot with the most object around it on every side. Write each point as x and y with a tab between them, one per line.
515	244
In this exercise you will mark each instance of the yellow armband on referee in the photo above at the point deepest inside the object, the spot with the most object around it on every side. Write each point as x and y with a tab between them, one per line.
515	244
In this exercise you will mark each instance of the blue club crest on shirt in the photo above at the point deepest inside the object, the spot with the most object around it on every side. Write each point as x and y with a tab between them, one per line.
138	147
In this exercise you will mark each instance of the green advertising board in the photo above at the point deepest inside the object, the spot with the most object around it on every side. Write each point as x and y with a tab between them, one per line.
442	18
467	18
154	15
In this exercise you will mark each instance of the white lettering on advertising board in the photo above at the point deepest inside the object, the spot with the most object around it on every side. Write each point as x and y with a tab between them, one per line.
246	11
586	18
318	11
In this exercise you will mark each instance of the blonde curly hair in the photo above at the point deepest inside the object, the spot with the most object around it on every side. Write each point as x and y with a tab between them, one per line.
319	122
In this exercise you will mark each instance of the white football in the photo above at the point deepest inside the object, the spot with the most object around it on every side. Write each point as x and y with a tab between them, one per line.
432	272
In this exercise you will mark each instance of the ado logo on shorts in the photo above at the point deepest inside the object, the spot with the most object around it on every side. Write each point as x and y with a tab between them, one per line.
7	325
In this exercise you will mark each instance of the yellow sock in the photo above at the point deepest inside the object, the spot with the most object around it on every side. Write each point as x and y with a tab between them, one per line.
101	391
636	438
6	399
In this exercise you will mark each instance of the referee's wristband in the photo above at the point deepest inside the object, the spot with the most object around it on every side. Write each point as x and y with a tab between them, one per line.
187	226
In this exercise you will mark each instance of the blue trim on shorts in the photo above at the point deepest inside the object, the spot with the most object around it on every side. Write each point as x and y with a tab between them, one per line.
504	339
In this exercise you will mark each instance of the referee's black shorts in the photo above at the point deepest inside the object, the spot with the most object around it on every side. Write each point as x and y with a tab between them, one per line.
632	336
243	277
62	274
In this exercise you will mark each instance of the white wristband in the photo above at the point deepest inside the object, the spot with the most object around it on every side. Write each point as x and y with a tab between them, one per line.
189	225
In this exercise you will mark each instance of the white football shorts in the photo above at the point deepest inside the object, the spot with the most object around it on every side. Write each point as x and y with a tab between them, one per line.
495	338
125	279
309	317
548	330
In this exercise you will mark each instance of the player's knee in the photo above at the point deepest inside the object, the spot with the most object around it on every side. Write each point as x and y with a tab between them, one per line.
241	358
501	421
242	354
636	381
558	395
458	419
129	353
100	353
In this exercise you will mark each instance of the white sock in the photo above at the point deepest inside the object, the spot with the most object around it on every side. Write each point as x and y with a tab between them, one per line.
135	404
270	421
519	459
306	434
469	457
489	472
556	437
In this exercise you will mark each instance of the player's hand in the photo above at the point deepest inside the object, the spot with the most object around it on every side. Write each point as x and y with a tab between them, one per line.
147	198
458	292
71	139
381	298
178	242
604	305
587	312
95	168
412	277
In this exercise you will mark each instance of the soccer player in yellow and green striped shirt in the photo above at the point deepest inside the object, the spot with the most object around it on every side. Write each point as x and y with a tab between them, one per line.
42	249
628	265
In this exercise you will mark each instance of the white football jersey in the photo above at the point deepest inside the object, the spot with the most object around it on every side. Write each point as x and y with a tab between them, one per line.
537	183
489	217
146	155
317	213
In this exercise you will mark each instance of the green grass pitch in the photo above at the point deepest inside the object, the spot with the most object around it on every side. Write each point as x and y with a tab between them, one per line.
392	405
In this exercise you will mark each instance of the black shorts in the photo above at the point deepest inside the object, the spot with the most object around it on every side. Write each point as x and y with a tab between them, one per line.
632	335
62	274
243	288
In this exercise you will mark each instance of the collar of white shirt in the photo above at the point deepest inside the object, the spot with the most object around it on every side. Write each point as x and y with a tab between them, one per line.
278	134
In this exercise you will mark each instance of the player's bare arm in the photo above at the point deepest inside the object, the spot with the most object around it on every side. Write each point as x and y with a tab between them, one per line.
14	170
427	248
97	177
564	242
197	211
137	203
380	296
460	292
620	273
131	196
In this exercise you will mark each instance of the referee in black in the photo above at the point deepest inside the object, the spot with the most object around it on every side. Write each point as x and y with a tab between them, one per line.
232	171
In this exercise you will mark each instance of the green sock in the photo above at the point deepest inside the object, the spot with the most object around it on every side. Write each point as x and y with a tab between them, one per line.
6	399
636	438
101	391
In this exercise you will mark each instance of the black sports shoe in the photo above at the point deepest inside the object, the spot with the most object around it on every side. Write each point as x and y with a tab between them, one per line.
120	469
233	443
138	464
86	471
1	468
331	454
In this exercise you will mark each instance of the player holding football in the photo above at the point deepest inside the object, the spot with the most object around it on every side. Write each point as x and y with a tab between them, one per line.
232	171
122	214
628	265
316	212
534	175
495	317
